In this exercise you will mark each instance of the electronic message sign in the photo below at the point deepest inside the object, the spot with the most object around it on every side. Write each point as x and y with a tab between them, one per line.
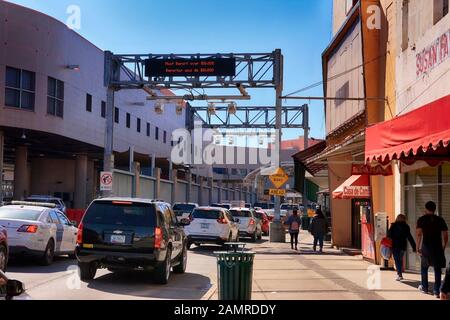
216	67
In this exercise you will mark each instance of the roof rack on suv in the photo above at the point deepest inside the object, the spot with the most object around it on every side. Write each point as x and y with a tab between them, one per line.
33	204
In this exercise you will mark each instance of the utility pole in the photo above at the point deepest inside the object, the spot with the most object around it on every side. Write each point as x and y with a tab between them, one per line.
108	157
277	233
306	143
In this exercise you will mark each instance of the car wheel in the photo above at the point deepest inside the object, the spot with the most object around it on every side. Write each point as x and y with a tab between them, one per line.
188	245
3	258
254	237
162	272
181	268
197	244
49	253
87	271
72	256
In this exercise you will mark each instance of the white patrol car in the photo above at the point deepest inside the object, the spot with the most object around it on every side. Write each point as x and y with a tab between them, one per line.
39	230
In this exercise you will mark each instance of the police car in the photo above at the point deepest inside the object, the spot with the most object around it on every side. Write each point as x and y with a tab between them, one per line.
39	230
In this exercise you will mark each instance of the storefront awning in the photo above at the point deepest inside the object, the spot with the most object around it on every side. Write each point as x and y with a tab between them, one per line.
422	134
356	187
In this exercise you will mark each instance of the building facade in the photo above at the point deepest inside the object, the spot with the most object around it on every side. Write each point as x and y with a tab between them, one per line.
415	141
52	111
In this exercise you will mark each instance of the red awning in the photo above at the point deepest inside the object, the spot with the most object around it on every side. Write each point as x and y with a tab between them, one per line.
422	134
356	187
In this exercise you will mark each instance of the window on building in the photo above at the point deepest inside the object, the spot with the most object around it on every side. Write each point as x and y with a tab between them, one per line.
440	10
342	93
138	125
405	25
55	97
156	133
88	103
20	88
103	111
116	115
148	129
165	136
128	120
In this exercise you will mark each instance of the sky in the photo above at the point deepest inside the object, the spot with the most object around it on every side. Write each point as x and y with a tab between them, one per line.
300	28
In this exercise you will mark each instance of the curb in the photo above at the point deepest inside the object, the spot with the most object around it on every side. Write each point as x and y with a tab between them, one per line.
210	293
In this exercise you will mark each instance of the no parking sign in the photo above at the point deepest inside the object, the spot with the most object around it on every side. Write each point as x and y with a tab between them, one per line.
106	181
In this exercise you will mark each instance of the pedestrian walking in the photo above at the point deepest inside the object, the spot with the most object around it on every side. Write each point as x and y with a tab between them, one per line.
293	222
432	239
400	234
318	228
445	290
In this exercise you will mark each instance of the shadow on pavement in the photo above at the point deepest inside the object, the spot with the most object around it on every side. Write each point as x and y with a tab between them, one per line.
188	286
30	265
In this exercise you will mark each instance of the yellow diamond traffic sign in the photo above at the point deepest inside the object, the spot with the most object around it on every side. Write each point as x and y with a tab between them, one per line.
279	178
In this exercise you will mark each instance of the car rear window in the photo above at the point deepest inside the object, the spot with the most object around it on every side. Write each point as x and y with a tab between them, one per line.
19	214
121	213
183	207
241	213
206	214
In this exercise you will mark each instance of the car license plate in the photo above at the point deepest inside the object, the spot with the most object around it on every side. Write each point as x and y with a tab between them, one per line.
118	239
204	226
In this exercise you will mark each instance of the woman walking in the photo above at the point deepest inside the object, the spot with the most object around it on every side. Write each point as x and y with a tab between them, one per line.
318	228
400	233
294	228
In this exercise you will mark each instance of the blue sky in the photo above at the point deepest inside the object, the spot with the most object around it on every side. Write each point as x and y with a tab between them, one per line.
300	28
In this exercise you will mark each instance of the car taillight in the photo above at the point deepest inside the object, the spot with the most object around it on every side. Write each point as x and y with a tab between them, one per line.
80	234
28	229
251	222
222	221
158	238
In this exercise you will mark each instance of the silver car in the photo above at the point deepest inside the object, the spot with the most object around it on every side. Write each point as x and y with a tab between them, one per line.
60	205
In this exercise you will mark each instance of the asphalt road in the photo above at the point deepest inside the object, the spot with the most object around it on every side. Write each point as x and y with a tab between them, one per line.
60	281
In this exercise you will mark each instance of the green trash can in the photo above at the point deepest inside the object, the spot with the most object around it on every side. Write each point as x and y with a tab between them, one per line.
235	273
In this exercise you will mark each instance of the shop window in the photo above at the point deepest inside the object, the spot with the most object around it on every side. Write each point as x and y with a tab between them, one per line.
440	10
55	97
128	120
342	94
138	125
20	88
405	25
165	136
88	103
148	129
156	133
103	109
116	115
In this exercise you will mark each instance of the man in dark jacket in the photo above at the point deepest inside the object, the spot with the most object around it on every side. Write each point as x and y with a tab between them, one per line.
400	234
432	239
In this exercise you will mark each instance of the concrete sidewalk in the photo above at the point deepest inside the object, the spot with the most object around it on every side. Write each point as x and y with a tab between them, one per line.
283	274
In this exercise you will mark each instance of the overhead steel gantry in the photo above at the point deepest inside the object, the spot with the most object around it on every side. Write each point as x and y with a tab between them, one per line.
249	117
252	70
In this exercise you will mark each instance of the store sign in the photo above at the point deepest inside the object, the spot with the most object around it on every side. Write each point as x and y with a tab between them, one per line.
356	192
363	169
216	67
433	55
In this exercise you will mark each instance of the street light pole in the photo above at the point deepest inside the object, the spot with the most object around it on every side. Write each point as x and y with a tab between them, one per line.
277	233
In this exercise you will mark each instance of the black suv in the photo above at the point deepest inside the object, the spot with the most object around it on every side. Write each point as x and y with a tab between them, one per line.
125	233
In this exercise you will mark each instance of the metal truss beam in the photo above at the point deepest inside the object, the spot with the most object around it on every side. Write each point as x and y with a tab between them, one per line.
249	117
253	70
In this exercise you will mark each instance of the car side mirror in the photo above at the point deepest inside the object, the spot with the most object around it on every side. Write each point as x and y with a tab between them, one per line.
14	288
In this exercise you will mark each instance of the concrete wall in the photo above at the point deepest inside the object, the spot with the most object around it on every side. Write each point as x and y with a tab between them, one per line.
124	185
